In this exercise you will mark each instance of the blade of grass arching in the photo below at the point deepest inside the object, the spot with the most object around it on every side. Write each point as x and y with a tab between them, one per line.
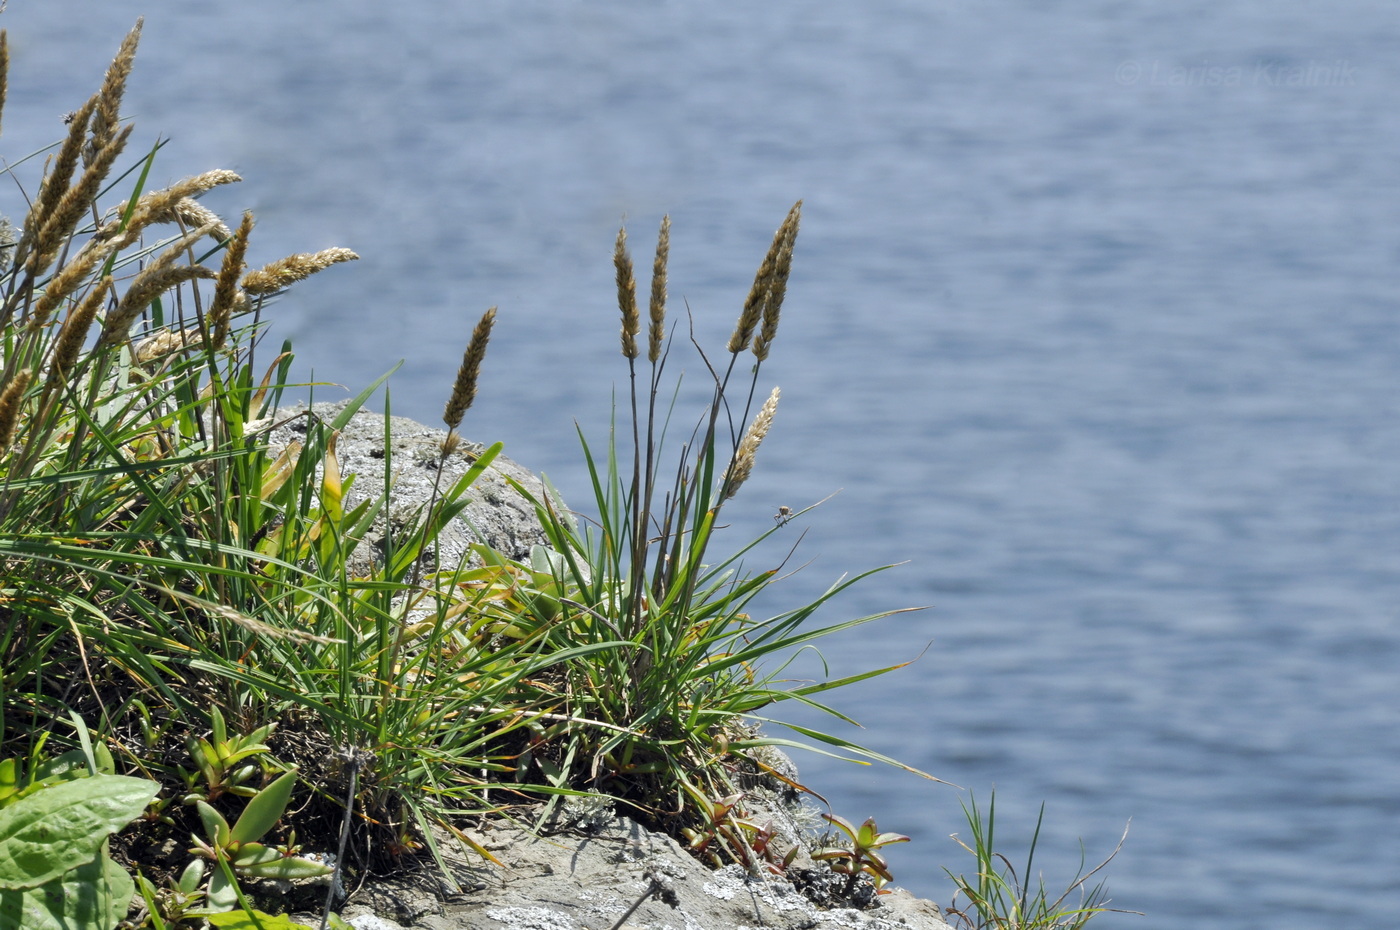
777	633
269	396
564	538
359	399
154	499
260	681
762	643
841	743
1030	859
427	525
124	467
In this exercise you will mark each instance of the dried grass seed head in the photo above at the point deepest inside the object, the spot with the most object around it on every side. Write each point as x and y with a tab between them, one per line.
4	68
159	275
757	299
76	203
109	98
162	344
776	285
226	290
742	467
657	332
626	295
69	279
58	175
146	287
10	405
283	273
73	334
175	203
464	388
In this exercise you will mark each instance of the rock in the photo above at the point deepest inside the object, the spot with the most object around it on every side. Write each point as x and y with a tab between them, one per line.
497	515
588	882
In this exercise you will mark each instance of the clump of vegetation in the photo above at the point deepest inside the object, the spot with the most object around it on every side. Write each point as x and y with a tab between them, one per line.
181	586
178	603
1001	897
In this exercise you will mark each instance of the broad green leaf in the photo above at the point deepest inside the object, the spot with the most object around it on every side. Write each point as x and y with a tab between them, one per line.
95	895
284	867
257	920
264	810
222	894
191	876
250	854
9	779
215	826
63	826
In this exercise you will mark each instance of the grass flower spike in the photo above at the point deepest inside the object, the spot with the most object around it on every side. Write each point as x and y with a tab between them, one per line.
626	296
285	272
656	333
464	388
743	459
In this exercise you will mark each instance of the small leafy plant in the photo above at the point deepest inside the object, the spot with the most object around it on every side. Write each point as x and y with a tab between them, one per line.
217	757
55	818
858	856
235	851
1001	898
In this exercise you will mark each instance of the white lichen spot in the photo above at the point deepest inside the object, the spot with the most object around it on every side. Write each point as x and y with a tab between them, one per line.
530	918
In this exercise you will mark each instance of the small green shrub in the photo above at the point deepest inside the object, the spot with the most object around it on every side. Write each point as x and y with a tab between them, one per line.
1001	898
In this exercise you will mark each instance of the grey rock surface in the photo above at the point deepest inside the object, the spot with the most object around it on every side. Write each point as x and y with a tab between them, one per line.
588	882
497	515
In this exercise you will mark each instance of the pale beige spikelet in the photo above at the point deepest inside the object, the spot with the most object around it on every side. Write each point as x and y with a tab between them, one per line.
11	402
175	203
285	272
191	214
69	278
226	290
464	388
757	299
146	287
162	344
58	175
657	332
109	99
626	295
73	334
748	446
777	283
75	204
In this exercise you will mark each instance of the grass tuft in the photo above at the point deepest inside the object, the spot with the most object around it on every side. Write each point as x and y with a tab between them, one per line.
201	607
